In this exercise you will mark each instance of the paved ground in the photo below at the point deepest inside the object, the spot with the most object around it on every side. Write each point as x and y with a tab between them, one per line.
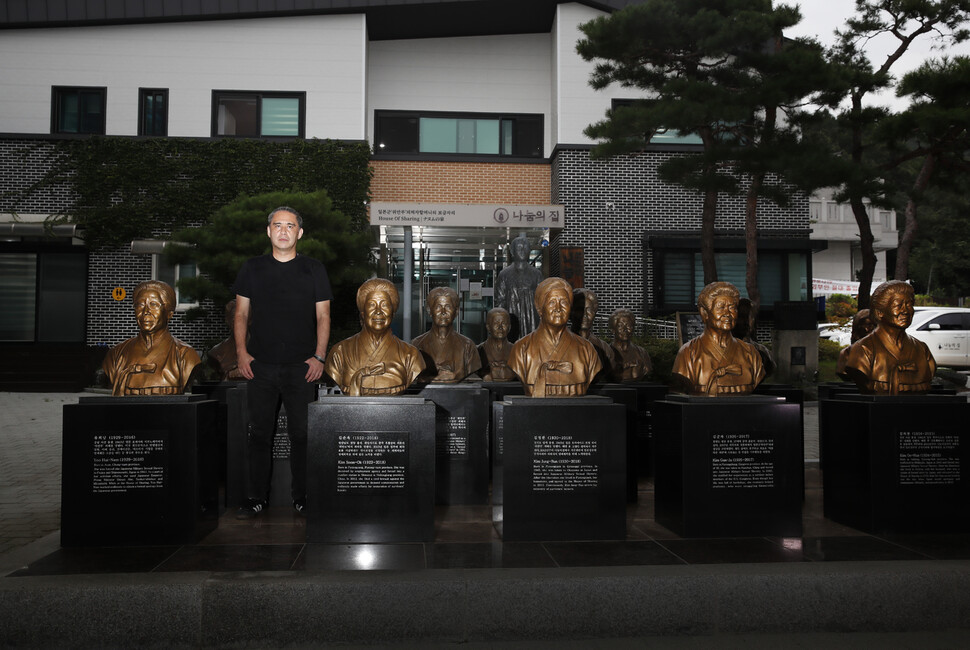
30	466
30	463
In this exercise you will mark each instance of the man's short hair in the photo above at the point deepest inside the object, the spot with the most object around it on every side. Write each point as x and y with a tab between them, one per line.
883	294
283	208
715	289
377	284
164	290
622	312
547	286
435	293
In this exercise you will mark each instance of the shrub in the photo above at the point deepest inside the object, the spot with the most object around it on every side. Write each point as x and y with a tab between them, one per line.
840	308
662	353
828	350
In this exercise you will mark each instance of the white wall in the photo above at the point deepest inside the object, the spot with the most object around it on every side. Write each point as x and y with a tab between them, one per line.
577	103
486	74
321	55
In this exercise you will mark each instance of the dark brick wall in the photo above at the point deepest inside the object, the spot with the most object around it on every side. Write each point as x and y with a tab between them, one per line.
23	162
611	203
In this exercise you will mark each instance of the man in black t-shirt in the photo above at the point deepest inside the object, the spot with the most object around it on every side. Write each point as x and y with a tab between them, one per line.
282	326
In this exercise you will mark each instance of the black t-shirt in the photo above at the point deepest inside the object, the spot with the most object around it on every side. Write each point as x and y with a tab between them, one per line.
283	298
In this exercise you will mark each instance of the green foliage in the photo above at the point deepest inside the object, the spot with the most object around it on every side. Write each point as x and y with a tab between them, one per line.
129	188
237	232
662	354
840	308
828	350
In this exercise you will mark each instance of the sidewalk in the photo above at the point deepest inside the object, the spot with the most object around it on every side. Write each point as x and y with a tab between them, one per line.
30	466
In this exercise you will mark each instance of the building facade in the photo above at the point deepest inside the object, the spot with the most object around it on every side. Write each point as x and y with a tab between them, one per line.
462	102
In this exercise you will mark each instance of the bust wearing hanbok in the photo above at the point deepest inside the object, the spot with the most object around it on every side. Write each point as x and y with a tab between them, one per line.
552	361
374	361
889	361
449	356
715	363
495	350
630	361
153	362
582	314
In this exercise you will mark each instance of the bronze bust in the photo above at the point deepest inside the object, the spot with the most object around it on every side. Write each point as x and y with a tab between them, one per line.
153	362
743	328
374	361
630	361
552	361
449	356
495	350
515	288
888	361
221	359
582	315
715	363
862	325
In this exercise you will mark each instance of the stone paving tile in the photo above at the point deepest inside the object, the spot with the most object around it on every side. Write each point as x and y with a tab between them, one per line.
30	465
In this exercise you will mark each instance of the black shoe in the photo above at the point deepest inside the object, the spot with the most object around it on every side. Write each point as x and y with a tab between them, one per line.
250	509
300	506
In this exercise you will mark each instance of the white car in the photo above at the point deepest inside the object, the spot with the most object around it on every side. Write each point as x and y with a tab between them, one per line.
841	334
946	331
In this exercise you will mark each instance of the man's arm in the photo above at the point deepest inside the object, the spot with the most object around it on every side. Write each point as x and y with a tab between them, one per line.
314	365
240	329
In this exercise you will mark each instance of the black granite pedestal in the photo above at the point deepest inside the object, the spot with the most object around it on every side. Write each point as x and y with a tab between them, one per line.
461	442
560	473
627	396
138	471
371	470
237	453
728	466
219	392
897	464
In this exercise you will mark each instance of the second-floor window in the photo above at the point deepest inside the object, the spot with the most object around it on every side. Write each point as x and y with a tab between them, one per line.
153	111
258	114
78	109
473	134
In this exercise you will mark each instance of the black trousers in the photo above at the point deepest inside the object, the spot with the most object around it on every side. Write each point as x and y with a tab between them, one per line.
271	384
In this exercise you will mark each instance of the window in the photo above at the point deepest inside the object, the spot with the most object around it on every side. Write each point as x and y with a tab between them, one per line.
153	111
949	322
258	114
663	136
783	271
78	110
44	296
397	132
170	273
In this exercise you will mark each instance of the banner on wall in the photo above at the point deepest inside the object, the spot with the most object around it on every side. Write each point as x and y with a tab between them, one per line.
465	215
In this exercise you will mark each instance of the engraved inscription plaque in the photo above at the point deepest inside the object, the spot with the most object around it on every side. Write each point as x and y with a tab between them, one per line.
125	461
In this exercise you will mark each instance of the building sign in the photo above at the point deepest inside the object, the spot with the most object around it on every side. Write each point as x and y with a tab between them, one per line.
828	287
476	216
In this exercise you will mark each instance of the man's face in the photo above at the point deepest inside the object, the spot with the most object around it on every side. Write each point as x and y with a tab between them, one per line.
555	309
520	250
898	312
722	314
150	311
589	312
442	311
377	312
497	325
284	231
623	328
